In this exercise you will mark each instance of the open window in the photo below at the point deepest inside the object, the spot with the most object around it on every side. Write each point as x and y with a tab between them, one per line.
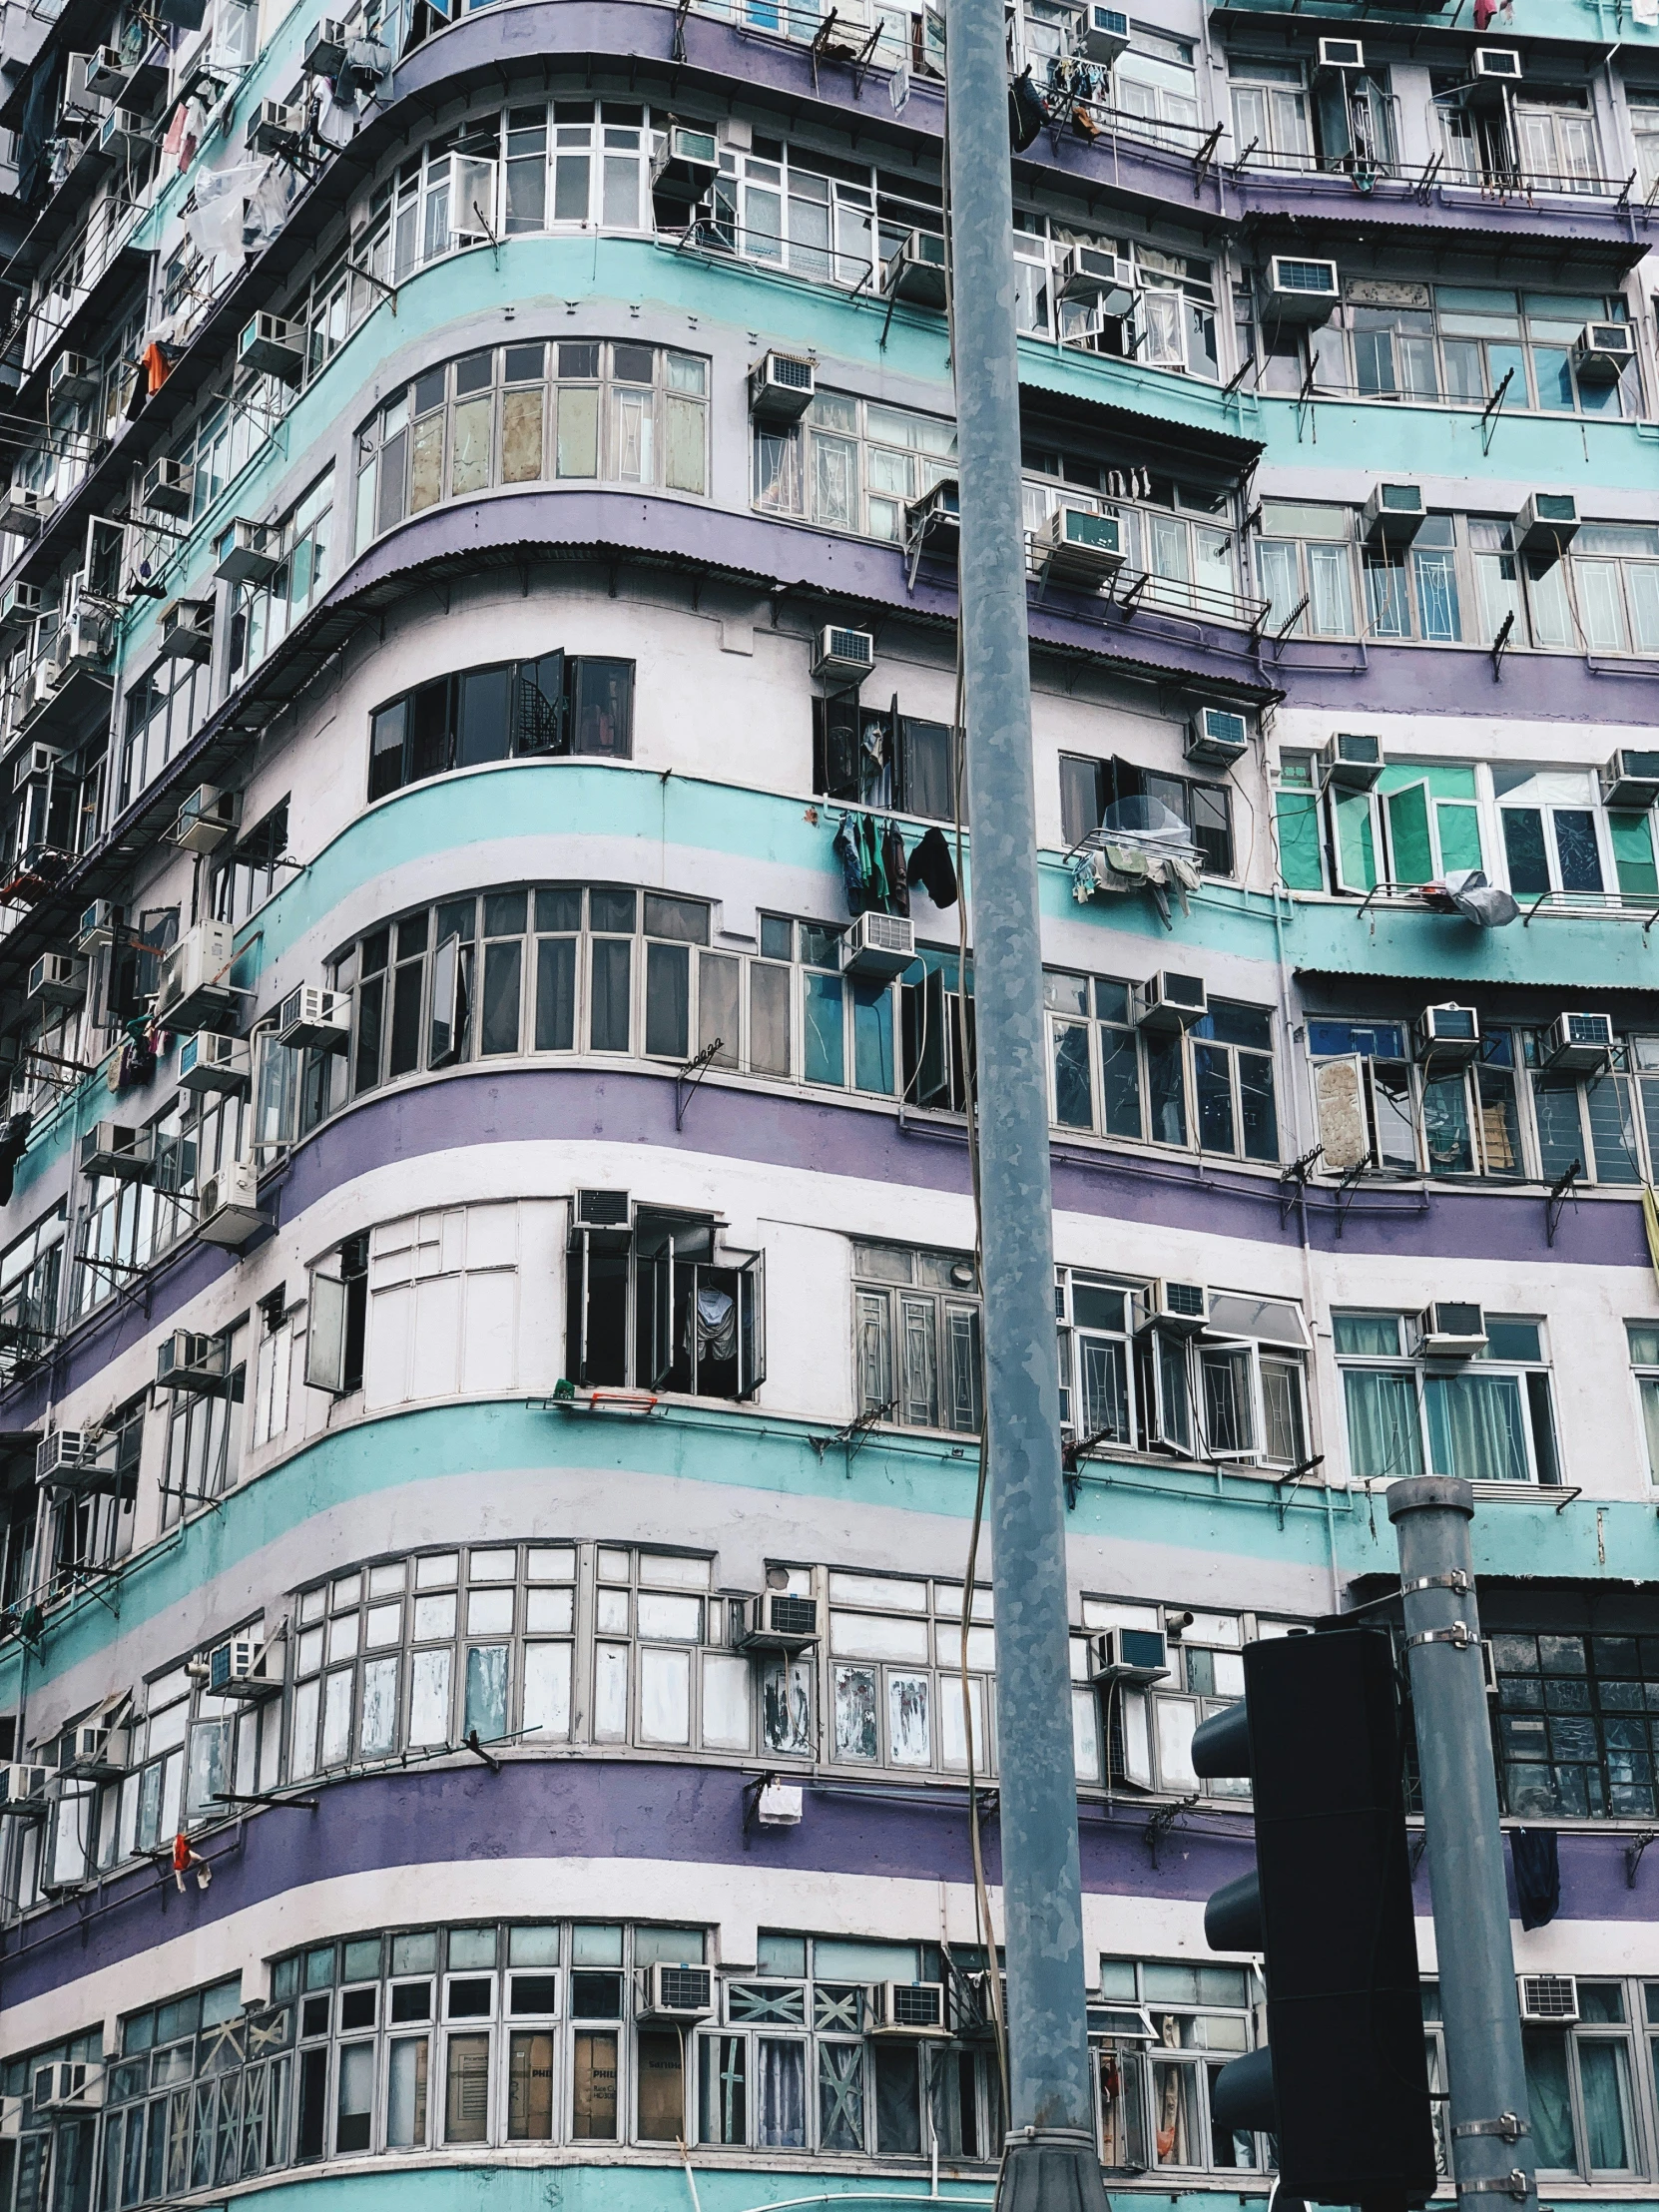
339	1321
655	1302
878	757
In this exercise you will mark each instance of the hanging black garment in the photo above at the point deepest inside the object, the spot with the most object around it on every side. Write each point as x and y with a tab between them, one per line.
931	866
1536	1858
892	857
13	1142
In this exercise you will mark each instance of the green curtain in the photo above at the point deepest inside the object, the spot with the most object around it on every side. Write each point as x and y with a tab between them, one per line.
1383	1439
1549	2097
1474	1426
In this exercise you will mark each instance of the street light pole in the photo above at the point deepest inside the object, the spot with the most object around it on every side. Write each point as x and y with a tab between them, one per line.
1051	2160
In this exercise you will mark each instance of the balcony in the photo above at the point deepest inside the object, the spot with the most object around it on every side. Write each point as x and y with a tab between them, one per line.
1401	937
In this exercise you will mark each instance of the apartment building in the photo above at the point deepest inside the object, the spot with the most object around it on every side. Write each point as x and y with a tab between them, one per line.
489	1320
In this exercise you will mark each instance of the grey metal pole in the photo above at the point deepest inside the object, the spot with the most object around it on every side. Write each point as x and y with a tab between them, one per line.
1052	2156
1491	2143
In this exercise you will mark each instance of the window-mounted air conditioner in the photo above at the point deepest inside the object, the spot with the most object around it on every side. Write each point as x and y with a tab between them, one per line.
1170	1001
207	818
71	376
935	519
168	487
601	1210
912	2008
326	43
1300	289
64	1457
780	387
1130	1655
239	1668
245	554
1354	761
1547	523
276	129
58	980
1092	272
676	1992
1548	1998
783	1622
1579	1044
1077	547
228	1206
1630	782
1103	35
1218	737
1452	1329
190	1360
69	2086
93	1753
1601	350
271	347
687	167
316	1019
117	1149
83	643
21	603
125	133
185	629
1341	53
194	988
25	1791
844	656
106	72
914	271
1496	65
23	511
211	1061
34	763
1394	514
879	945
1449	1035
1165	1304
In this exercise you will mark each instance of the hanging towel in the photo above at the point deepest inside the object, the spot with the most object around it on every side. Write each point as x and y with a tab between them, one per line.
1082	879
932	867
847	849
1538	1863
893	855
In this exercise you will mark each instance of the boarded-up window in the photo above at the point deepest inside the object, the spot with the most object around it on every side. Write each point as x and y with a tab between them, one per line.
469	466
466	2109
1339	1102
522	436
530	2088
685	419
426	468
593	2088
444	1305
579	432
662	2087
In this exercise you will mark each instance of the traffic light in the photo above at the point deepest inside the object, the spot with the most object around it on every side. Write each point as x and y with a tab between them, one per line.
1343	2084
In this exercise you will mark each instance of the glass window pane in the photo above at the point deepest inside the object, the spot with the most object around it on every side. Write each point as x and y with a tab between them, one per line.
486	1690
467	2090
609	1023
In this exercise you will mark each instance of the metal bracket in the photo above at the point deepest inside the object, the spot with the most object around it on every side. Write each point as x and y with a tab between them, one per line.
1559	1192
856	1434
1161	1821
1460	1579
1633	1854
1293	1181
1500	644
1507	2124
1513	2184
686	1078
1460	1633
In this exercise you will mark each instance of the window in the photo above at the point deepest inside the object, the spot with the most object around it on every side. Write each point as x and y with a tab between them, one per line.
916	1335
339	1321
264	613
247	879
656	1302
1155	2096
555	705
1139	1736
1487	1420
1421	821
204	1437
1210	1088
884	759
1579	2089
1643	1337
1577	1721
1178	539
609	411
1088	788
1304	566
444	1293
31	1269
126	1225
852	464
164	710
895	1687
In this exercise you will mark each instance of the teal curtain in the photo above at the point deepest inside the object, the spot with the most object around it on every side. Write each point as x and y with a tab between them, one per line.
1383	1439
1549	2097
1474	1426
1603	2084
826	1050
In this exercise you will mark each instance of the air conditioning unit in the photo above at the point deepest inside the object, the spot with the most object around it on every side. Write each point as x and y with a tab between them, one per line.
237	1668
207	818
1341	53
1169	1001
1579	1044
71	376
1352	760
69	2086
21	511
193	989
106	72
34	763
276	129
1449	1035
58	980
935	519
844	656
915	271
1132	1655
125	133
212	1061
25	1791
316	1019
1093	273
677	1992
21	603
1548	1998
228	1206
1496	65
64	1457
1452	1329
1630	782
1103	34
269	347
912	2008
115	1149
326	44
1394	514
1165	1304
93	1753
190	1360
878	945
601	1209
1218	737
780	387
186	630
245	553
783	1622
1548	523
169	486
1601	351
1302	290
83	643
98	925
687	166
1077	547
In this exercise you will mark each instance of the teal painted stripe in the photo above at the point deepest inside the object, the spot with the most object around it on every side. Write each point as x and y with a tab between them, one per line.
1581	451
1575	951
552	2182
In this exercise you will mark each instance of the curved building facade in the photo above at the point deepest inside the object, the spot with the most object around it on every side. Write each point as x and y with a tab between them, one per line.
489	1325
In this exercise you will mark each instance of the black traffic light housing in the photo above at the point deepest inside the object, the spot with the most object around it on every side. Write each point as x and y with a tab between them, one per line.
1345	2088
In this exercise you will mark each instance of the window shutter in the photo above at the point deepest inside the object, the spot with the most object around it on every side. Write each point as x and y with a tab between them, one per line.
752	1330
1341	1110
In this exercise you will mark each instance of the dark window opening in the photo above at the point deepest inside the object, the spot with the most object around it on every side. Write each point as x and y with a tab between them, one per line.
1088	788
511	710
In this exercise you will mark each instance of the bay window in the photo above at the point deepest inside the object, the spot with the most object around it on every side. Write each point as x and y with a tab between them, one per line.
1213	1083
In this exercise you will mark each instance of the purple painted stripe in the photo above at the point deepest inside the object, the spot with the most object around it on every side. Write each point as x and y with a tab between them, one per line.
598	1809
827	1137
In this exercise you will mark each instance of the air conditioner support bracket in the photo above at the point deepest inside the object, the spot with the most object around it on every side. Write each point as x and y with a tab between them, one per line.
1559	1192
1633	1854
856	1434
686	1078
1286	1483
1293	1181
1162	1820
